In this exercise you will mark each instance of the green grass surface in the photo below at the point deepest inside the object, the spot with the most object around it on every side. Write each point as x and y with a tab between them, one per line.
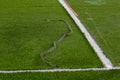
102	19
90	75
24	34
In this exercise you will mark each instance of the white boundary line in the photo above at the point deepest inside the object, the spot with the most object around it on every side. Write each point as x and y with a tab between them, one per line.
59	70
106	62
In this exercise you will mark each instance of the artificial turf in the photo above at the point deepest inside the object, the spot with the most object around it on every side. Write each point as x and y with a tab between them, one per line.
102	19
25	33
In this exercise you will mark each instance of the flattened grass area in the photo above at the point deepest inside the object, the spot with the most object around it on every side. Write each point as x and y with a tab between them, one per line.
24	34
90	75
102	19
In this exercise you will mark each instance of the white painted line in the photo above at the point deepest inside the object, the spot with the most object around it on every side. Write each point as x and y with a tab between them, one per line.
106	62
58	70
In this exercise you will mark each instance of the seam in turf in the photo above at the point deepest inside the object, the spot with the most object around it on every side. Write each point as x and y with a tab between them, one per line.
46	53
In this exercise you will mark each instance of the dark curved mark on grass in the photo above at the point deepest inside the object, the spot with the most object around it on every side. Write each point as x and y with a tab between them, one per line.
55	44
